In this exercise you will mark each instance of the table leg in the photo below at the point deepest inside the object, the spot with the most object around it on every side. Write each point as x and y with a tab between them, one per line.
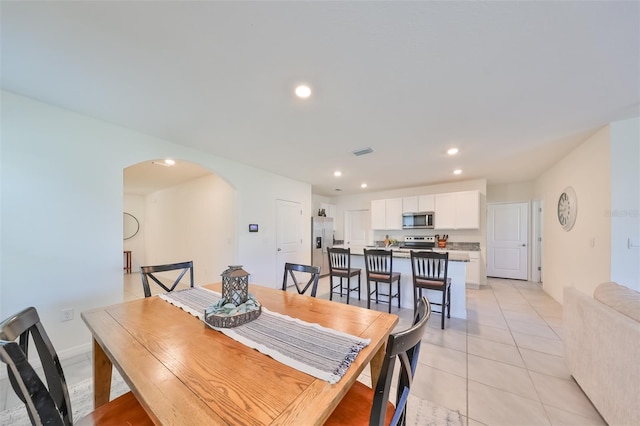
376	364
102	369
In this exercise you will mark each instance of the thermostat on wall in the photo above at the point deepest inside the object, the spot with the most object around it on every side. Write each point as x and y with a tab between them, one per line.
253	227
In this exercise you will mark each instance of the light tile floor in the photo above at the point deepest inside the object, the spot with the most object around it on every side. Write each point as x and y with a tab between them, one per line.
503	365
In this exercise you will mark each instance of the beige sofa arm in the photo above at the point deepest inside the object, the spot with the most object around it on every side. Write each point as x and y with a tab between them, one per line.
602	353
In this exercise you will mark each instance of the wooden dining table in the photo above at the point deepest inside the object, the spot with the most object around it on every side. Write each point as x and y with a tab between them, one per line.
186	373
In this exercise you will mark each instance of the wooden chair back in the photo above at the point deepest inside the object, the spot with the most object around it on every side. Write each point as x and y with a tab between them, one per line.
147	272
50	404
363	405
339	260
290	270
405	346
429	267
22	326
379	264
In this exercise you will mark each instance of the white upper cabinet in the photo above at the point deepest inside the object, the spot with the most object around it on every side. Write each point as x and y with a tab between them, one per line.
379	214
426	203
468	210
409	204
457	210
445	211
386	214
394	213
421	203
329	209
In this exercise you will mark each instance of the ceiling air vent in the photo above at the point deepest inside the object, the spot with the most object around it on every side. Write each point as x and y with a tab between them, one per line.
362	151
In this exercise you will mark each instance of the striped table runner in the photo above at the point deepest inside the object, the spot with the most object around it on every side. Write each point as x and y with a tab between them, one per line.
321	352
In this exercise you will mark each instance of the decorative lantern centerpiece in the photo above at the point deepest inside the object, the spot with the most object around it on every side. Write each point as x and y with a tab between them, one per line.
237	306
235	285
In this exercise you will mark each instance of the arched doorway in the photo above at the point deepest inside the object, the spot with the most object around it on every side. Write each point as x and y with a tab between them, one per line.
185	213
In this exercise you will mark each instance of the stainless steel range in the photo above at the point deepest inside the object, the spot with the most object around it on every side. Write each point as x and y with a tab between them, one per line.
418	242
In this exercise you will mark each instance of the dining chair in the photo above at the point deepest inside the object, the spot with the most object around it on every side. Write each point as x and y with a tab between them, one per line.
340	267
50	404
147	272
429	271
290	270
379	270
364	406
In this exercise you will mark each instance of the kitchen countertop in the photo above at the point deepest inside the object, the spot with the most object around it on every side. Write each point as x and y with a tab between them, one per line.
454	256
451	246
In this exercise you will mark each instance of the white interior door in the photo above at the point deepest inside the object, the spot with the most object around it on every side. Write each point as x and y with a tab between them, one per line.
357	225
507	240
288	236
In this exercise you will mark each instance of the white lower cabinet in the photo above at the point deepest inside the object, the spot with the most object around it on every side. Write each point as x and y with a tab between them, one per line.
473	268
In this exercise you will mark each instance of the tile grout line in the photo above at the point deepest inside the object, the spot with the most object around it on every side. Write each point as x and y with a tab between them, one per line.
544	406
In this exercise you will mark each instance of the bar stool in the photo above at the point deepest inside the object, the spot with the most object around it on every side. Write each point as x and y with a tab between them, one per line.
340	267
430	273
379	267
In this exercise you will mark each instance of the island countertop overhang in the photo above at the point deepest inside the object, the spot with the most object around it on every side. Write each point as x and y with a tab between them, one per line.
454	255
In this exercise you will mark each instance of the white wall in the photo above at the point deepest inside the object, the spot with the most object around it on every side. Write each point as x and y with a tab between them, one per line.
625	202
61	211
581	257
510	192
192	221
134	205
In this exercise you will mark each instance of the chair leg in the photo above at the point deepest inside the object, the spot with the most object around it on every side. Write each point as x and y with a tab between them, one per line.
449	302
330	287
348	288
359	286
444	305
368	294
399	293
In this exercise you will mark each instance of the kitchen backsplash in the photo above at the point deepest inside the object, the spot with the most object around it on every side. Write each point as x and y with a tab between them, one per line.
463	246
450	245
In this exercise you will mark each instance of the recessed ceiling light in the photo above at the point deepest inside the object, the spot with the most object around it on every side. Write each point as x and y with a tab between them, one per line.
337	173
303	91
363	185
170	162
457	172
452	151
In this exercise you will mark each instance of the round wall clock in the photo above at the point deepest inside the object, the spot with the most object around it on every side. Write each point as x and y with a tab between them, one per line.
567	208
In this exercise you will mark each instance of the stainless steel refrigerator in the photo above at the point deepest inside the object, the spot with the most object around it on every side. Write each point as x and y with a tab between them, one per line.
321	240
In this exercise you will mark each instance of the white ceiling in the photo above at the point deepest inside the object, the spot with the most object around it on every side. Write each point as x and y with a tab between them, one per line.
514	85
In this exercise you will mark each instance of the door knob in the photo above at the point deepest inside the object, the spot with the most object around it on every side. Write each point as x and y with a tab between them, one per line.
279	249
524	245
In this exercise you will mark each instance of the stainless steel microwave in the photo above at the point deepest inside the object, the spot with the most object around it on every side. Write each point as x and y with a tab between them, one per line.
419	220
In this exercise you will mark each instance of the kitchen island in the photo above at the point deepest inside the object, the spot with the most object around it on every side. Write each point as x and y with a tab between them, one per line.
457	270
